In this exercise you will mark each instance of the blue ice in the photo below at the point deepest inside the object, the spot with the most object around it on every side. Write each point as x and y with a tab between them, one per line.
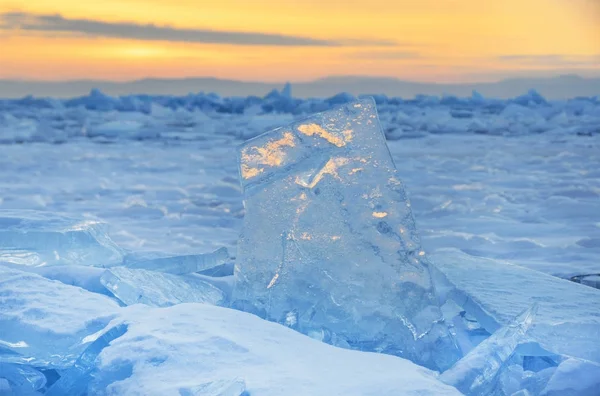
329	246
177	265
477	372
34	238
157	289
74	381
21	379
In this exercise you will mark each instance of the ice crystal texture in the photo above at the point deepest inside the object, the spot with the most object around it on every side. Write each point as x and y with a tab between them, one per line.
329	246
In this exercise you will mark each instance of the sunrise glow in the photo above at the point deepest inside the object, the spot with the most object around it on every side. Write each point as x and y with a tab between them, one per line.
425	40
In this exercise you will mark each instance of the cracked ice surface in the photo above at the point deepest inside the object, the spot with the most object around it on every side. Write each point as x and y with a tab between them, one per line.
329	246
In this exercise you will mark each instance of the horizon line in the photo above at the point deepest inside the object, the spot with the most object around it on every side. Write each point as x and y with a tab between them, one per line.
292	82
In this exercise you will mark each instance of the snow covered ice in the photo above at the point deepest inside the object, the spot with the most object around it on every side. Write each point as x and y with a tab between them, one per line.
329	246
505	193
187	346
46	323
75	379
184	349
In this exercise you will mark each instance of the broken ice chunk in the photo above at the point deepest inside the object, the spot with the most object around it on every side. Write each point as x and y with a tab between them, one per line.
565	325
329	244
87	278
75	380
22	379
476	373
4	387
35	238
534	382
592	280
43	332
157	289
178	265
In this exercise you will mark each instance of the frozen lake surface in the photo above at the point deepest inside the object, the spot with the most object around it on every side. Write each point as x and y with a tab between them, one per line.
491	183
512	180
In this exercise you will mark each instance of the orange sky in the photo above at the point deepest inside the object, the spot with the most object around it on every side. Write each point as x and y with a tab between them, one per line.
424	40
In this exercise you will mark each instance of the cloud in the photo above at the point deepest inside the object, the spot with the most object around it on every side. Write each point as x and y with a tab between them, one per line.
552	60
130	30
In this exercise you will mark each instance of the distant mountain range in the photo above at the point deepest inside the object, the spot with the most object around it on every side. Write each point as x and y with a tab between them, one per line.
560	87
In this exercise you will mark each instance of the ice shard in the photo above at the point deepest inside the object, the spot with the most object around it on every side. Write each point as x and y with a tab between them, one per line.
178	265
329	246
74	380
564	325
476	373
21	378
33	238
157	289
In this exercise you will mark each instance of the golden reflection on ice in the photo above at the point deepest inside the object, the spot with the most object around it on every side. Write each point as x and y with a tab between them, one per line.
271	154
305	236
380	215
347	135
314	129
273	281
330	168
248	172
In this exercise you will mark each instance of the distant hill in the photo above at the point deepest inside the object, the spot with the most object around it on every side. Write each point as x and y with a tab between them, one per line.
552	88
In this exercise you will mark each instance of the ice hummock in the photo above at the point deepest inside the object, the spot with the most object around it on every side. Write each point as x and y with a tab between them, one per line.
329	246
74	381
133	286
35	238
